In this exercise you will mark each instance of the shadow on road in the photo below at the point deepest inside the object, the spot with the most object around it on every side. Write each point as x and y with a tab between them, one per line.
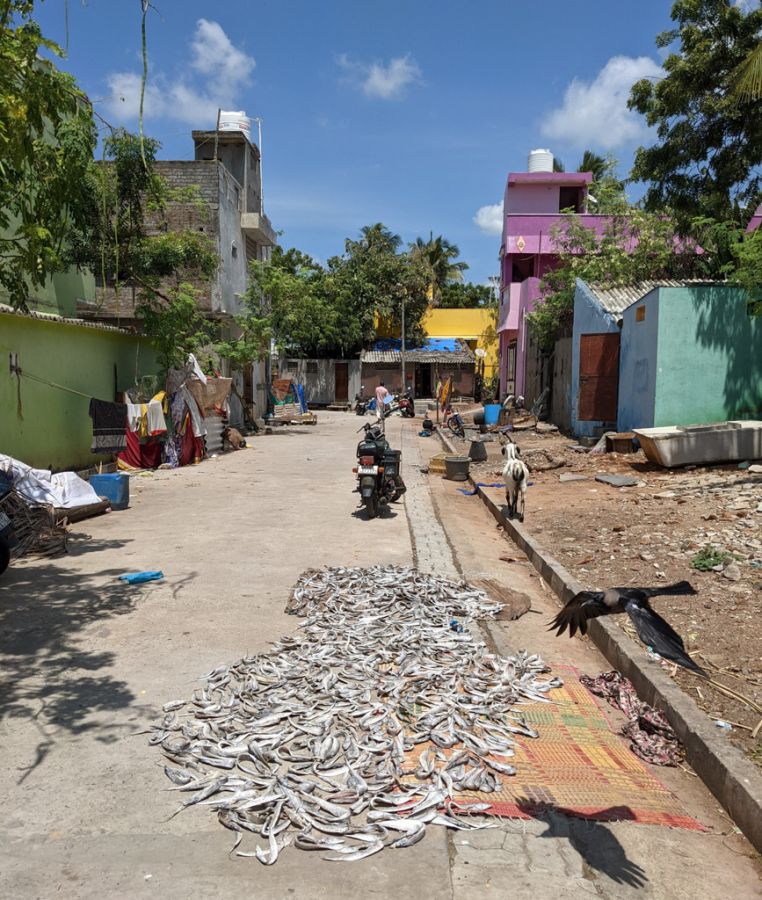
596	844
50	678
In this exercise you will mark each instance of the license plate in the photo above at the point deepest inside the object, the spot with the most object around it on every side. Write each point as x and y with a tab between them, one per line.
367	470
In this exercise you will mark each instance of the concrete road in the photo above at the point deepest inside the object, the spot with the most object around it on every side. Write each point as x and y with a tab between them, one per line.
86	663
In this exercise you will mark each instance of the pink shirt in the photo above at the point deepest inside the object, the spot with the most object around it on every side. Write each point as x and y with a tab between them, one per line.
381	392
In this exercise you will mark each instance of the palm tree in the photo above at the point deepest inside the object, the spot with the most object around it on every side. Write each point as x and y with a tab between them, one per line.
438	257
748	75
379	237
595	163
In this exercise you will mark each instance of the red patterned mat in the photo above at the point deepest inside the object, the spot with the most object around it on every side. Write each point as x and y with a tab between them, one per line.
578	766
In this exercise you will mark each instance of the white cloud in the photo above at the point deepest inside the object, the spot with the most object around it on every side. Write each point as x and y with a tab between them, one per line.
594	113
220	68
385	82
489	219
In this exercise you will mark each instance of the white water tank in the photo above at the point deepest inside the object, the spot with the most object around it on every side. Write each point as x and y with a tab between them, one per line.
235	120
540	161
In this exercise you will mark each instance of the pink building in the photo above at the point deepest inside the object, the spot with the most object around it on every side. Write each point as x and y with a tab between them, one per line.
531	208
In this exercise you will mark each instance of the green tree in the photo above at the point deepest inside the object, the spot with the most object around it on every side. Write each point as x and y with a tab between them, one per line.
634	247
706	159
439	259
175	324
47	138
334	310
459	295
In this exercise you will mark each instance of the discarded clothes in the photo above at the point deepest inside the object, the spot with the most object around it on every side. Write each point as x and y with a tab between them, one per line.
109	426
141	577
493	484
652	737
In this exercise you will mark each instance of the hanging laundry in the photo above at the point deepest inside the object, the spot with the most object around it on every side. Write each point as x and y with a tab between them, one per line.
197	417
134	416
109	426
156	423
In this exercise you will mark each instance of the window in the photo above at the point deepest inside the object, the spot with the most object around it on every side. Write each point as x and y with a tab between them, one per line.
569	198
640	314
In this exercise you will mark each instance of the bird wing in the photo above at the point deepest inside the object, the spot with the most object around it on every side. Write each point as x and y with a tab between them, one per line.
582	606
658	634
666	590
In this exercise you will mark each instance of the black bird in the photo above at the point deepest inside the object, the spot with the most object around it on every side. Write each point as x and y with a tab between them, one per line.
651	628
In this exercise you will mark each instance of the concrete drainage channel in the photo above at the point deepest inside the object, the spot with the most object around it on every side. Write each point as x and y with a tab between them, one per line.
732	778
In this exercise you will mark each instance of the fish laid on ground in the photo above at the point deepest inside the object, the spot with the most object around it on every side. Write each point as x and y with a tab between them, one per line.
315	737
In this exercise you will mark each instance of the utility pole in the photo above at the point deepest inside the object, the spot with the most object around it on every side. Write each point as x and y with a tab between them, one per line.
402	351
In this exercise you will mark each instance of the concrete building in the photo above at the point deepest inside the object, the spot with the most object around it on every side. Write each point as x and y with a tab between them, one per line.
690	354
533	207
57	364
325	381
425	366
218	193
476	328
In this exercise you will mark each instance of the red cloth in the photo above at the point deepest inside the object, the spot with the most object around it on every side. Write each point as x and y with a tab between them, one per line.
140	456
192	448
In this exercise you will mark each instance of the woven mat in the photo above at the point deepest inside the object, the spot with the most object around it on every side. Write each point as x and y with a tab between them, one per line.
578	766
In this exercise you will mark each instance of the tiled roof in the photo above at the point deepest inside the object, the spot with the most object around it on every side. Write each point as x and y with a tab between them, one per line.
616	299
52	317
448	352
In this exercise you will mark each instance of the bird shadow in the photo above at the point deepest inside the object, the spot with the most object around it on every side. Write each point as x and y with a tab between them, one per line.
598	847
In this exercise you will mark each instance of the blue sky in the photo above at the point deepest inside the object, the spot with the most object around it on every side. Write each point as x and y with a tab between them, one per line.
407	113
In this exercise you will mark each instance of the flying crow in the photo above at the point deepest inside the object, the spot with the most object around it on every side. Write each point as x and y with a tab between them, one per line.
651	628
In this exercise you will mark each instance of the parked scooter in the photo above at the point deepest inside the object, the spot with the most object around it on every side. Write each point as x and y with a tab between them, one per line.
406	404
378	473
361	403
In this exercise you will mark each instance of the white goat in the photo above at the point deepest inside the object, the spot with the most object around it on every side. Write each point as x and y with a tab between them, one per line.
511	450
515	474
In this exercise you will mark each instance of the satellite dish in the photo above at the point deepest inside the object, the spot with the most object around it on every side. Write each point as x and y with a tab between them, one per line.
480	352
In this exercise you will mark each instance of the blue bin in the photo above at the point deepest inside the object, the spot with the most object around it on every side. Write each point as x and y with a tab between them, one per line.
115	487
491	413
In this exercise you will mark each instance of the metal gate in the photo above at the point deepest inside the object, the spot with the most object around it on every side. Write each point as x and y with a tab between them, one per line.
598	377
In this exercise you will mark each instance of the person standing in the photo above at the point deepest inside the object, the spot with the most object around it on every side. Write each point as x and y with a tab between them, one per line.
381	395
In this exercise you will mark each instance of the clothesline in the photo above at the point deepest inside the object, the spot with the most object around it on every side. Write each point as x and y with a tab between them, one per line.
60	387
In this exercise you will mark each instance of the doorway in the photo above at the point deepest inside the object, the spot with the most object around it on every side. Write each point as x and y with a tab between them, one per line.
423	380
341	378
598	377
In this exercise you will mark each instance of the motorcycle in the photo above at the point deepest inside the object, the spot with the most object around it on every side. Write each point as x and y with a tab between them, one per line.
7	541
378	473
406	405
361	404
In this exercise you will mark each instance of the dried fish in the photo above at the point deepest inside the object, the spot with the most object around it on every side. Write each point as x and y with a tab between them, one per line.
316	735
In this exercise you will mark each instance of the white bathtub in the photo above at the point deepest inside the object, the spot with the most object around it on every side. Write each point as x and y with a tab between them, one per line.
682	445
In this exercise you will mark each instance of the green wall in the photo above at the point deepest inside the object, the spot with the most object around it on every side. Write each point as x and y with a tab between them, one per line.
709	362
44	426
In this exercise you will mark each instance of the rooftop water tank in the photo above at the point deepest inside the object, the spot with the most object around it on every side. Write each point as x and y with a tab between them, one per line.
235	121
540	161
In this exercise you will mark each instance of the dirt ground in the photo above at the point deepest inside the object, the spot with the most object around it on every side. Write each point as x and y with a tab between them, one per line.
648	534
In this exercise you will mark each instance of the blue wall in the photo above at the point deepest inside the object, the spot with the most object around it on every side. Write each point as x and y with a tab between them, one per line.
589	318
638	354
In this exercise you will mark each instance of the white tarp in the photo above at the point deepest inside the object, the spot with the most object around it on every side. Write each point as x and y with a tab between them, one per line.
64	490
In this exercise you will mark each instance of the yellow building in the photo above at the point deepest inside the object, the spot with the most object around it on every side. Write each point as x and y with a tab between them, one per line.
475	327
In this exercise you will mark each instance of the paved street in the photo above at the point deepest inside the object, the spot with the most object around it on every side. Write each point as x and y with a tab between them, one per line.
87	663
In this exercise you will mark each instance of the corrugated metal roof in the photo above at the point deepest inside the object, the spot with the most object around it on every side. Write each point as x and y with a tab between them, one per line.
63	320
616	299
